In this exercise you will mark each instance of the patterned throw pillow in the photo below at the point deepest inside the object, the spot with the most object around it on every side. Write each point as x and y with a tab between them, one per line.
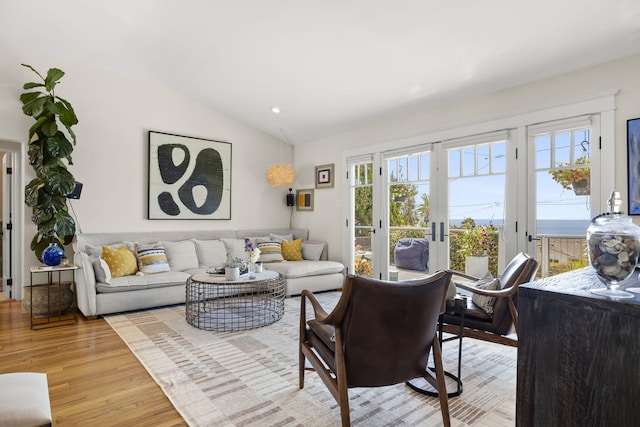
484	302
151	258
270	252
292	251
121	261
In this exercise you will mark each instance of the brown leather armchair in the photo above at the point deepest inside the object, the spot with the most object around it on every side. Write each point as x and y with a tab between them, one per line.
380	333
504	320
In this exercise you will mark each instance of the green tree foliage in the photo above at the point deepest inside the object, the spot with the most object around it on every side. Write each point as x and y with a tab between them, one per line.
51	142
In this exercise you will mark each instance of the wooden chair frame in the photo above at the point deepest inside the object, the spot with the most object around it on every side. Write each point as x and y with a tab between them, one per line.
527	274
336	381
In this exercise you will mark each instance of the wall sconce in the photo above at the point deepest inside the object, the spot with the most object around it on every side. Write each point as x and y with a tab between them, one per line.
290	198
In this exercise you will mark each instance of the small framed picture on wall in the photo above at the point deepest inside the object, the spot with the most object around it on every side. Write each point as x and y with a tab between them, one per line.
304	200
324	176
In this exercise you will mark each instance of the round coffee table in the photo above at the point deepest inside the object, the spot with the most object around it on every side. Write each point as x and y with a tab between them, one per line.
216	304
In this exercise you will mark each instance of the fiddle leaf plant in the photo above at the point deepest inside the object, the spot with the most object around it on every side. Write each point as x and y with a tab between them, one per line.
51	142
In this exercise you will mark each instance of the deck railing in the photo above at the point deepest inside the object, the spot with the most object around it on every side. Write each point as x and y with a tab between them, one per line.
556	253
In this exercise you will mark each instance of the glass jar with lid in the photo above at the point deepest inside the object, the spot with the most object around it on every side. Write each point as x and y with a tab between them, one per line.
614	246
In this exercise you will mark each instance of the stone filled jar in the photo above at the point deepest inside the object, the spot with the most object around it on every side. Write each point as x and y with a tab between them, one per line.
614	245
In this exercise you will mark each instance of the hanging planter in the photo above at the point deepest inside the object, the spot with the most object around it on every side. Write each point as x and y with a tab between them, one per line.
577	179
582	187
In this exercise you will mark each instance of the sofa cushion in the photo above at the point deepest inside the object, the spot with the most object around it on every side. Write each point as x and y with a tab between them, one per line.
281	237
235	248
121	261
181	255
211	253
294	269
137	282
151	258
96	251
312	251
101	270
270	251
292	251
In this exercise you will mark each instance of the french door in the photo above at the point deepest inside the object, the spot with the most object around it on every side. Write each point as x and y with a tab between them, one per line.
564	167
449	194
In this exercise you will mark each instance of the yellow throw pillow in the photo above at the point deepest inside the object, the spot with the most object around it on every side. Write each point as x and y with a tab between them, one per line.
121	261
292	251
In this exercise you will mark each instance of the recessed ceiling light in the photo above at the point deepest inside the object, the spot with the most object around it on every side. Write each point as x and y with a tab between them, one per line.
275	110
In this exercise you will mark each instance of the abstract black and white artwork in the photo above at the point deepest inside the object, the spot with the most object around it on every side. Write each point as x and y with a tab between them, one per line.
189	178
633	165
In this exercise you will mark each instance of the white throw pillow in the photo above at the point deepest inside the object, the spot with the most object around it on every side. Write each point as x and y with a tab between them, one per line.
211	253
102	270
235	248
181	255
487	282
312	251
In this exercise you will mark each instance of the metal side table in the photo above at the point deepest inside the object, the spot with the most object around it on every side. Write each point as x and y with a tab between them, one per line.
456	305
52	303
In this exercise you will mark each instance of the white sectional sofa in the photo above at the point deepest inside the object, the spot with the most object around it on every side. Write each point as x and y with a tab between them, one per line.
188	253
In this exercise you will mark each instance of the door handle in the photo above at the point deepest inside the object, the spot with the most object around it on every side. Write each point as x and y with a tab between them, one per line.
442	232
433	231
531	239
373	230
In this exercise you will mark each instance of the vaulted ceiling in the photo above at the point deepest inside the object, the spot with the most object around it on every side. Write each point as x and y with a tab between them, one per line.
329	65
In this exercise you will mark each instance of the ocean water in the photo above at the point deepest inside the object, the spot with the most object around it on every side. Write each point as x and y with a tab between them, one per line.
547	227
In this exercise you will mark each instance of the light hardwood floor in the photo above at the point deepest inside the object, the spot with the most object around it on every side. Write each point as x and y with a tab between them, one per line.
94	380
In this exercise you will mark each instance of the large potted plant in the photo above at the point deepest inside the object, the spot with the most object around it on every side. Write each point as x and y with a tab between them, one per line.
51	142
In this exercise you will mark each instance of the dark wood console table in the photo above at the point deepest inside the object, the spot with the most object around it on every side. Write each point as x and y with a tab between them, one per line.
578	354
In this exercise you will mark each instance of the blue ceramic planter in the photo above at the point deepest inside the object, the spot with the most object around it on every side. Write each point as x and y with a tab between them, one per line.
52	255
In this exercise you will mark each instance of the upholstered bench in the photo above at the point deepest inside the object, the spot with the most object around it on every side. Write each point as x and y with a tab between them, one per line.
24	400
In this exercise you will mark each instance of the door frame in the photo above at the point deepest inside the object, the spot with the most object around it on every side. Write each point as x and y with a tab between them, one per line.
17	151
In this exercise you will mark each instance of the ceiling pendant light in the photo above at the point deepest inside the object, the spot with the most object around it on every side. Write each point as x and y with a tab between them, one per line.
281	174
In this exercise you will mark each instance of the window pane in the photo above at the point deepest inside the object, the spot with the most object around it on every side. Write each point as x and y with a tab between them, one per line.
454	163
581	147
413	168
499	152
425	167
402	169
562	148
469	161
393	170
543	152
484	159
369	177
363	206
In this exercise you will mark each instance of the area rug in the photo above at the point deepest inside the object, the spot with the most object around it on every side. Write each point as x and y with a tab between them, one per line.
250	378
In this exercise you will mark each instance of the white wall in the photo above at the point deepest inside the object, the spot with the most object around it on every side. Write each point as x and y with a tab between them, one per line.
115	113
328	219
